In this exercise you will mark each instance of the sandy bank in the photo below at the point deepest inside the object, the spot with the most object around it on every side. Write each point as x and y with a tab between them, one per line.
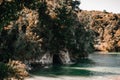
75	78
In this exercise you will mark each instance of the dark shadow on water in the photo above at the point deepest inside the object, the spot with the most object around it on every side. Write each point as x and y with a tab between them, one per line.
57	71
62	72
95	60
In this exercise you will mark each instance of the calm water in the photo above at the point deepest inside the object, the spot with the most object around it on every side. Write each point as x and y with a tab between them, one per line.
95	65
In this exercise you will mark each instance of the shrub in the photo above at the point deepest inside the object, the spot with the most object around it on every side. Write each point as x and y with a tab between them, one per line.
13	70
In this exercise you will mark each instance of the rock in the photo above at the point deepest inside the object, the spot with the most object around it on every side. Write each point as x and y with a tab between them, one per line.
47	59
65	57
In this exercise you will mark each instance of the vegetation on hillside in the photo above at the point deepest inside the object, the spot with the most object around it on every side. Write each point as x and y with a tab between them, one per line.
106	27
30	29
35	31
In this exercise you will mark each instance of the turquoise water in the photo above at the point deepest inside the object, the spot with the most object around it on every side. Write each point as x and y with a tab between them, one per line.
95	65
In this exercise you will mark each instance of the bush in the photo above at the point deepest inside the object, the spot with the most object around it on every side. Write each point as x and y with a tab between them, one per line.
13	70
4	70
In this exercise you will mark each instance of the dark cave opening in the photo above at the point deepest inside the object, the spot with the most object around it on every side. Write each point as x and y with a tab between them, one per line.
56	59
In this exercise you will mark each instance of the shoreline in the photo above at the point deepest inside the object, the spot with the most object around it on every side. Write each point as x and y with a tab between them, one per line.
110	77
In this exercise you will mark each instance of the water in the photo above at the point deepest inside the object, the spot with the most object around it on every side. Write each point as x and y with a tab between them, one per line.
95	65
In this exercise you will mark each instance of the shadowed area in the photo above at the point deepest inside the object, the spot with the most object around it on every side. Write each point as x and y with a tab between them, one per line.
96	65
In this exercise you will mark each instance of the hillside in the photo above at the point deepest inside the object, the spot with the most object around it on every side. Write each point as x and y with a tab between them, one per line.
39	33
106	27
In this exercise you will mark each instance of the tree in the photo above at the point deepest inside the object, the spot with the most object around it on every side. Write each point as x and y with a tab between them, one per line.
9	9
58	30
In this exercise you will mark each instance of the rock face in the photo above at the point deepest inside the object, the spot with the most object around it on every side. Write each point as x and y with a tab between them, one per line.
106	27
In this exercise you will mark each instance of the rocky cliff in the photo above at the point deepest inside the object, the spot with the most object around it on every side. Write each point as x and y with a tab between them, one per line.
106	27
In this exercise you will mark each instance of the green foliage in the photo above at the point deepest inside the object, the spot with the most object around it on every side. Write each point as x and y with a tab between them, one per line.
57	32
31	4
58	27
5	71
105	11
8	12
63	27
9	9
60	31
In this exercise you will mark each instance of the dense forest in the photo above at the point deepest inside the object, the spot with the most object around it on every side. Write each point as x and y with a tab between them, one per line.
46	32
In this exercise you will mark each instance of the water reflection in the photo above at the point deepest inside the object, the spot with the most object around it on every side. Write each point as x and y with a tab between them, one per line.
96	65
106	60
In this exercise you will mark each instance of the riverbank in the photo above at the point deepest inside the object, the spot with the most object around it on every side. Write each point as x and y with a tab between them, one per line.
96	67
112	77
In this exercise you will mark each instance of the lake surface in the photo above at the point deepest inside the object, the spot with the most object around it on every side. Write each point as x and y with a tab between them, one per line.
97	65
